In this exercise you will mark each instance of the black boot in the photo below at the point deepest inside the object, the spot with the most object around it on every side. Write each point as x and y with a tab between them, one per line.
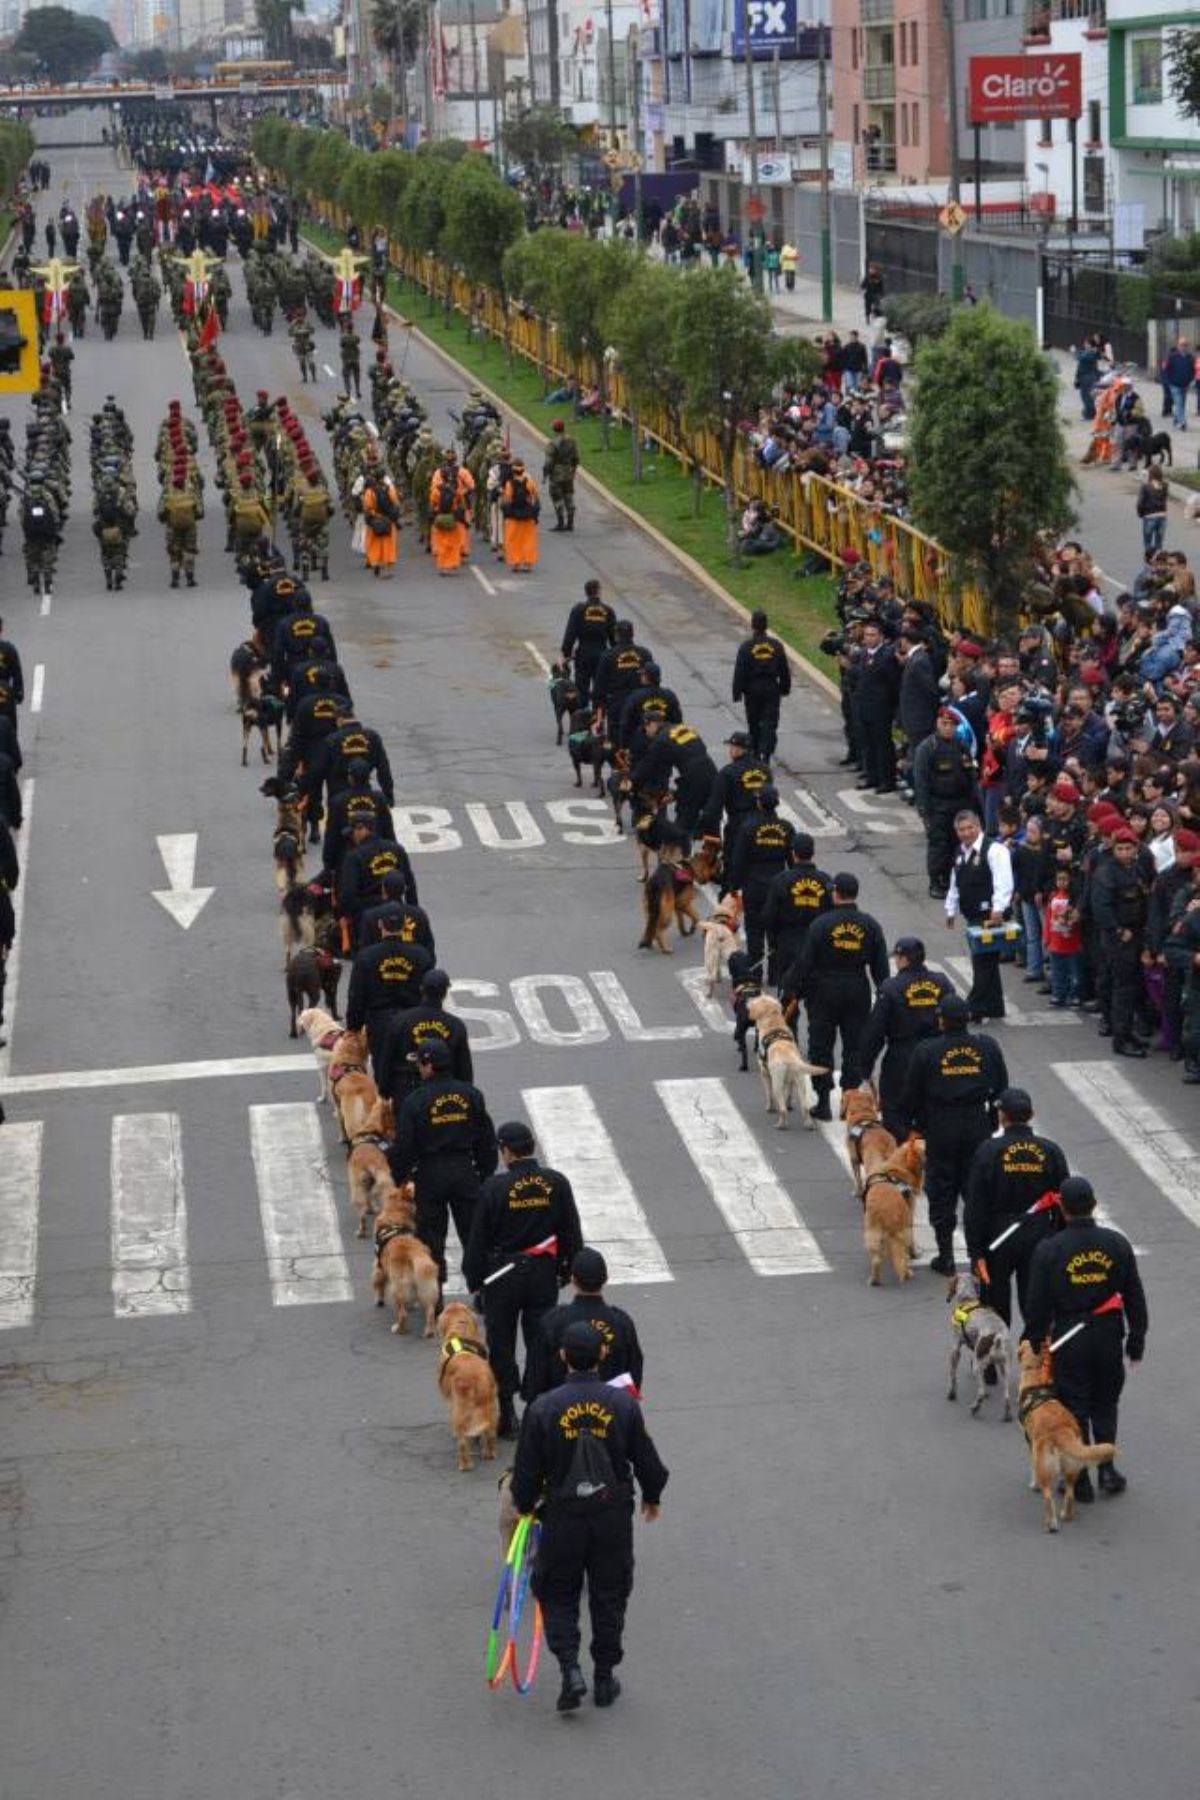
508	1420
191	579
571	527
174	577
1085	1493
943	1262
1111	1482
1191	1072
573	1689
822	1109
605	1687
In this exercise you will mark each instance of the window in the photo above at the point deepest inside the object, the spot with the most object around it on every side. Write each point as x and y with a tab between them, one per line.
1093	124
904	123
854	130
916	122
903	45
912	43
1146	58
854	47
1047	136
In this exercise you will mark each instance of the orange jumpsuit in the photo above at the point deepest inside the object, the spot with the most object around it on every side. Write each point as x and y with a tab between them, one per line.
452	543
380	550
520	535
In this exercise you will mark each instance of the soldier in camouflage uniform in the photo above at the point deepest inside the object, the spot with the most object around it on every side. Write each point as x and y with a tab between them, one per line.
304	346
558	469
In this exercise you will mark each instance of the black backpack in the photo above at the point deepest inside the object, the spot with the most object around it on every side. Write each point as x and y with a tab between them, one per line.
590	1483
37	519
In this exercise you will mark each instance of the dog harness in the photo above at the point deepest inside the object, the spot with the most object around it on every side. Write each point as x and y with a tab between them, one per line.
456	1346
963	1311
330	1039
1029	1402
878	1176
779	1034
337	1070
371	1137
384	1235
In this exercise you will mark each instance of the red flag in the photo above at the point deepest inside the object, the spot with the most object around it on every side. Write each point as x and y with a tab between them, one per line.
1114	1303
547	1247
1049	1198
209	329
628	1383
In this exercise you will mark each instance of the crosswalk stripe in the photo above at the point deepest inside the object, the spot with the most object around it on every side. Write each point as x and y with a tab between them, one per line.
149	1216
1144	1133
20	1190
743	1184
959	967
573	1139
299	1214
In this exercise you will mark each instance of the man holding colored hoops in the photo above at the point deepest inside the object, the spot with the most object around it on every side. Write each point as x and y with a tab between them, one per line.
580	1448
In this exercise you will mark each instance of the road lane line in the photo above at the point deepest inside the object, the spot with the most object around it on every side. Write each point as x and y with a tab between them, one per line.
1163	1154
39	686
13	965
489	587
147	1074
329	371
20	1190
296	1201
536	654
745	1188
44	608
149	1216
573	1139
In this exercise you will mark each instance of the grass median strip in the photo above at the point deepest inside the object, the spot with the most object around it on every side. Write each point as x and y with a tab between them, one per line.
800	607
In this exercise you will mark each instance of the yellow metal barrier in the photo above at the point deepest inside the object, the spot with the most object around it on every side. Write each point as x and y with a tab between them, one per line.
817	513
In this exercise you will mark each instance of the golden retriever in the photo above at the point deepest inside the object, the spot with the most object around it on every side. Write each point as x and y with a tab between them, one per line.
353	1092
324	1033
720	941
404	1272
786	1076
868	1141
467	1383
889	1194
1057	1451
367	1168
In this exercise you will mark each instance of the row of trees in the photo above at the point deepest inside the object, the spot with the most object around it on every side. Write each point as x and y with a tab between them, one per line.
16	148
57	44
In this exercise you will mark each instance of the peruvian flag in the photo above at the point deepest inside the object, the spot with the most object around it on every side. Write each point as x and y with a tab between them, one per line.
547	1247
194	295
349	293
1113	1304
52	306
628	1383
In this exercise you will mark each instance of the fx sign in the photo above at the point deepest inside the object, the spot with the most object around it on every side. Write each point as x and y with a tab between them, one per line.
772	25
1003	89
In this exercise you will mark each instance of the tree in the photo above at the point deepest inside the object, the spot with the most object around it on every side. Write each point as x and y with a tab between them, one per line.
387	177
275	22
538	140
532	266
354	187
592	271
64	44
723	345
148	65
396	27
988	465
483	216
1183	71
641	323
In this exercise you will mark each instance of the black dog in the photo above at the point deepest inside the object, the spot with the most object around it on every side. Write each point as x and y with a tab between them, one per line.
314	972
564	695
589	748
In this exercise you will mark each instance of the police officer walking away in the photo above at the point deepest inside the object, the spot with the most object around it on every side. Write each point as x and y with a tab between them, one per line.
10	875
981	889
590	630
762	676
581	1446
762	849
840	950
734	796
396	1066
904	1014
621	1360
1072	1275
951	1087
446	1145
1009	1174
798	894
523	1242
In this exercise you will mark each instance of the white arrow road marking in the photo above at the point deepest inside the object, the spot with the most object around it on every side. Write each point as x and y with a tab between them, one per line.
183	901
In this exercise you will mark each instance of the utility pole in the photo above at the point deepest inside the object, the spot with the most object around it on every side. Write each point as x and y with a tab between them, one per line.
614	189
823	134
754	203
475	75
957	277
635	128
775	85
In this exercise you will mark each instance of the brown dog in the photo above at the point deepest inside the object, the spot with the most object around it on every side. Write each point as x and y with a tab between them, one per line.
404	1272
353	1092
367	1168
1057	1451
889	1196
868	1141
467	1383
668	898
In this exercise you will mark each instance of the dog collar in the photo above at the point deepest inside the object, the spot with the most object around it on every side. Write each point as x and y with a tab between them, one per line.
964	1309
457	1346
330	1039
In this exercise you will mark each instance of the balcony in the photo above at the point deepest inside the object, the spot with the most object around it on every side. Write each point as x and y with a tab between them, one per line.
879	83
878	12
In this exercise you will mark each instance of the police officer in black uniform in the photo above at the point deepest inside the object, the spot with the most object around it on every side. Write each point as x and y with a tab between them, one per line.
397	911
621	1359
797	895
904	1014
396	1065
734	797
386	978
762	849
523	1241
616	673
308	677
840	950
10	875
680	749
351	741
318	716
361	875
944	781
581	1446
649	699
762	676
357	800
297	631
591	629
1120	906
445	1144
950	1091
1072	1274
1008	1175
10	667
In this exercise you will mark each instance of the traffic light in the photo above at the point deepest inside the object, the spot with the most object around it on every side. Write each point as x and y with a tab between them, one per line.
19	368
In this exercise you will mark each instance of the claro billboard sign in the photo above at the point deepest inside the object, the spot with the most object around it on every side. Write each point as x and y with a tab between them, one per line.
1003	89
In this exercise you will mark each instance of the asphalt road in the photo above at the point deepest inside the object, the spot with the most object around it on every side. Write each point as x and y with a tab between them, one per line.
237	1557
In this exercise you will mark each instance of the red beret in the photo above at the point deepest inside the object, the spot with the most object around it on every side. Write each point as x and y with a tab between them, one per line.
965	647
1065	789
850	557
1188	842
1124	835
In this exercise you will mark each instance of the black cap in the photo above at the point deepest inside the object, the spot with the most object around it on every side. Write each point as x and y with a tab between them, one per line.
909	946
515	1135
582	1344
1016	1103
953	1009
739	739
435	982
1077	1196
433	1051
589	1269
847	885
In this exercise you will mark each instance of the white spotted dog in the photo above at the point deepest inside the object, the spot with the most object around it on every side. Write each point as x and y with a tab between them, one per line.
983	1334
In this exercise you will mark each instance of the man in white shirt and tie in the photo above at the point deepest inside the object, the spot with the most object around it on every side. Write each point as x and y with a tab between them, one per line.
981	889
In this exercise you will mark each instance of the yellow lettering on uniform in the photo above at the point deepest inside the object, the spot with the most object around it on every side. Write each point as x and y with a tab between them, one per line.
923	993
1089	1266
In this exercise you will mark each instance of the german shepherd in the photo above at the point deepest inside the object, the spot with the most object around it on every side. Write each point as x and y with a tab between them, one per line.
668	898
